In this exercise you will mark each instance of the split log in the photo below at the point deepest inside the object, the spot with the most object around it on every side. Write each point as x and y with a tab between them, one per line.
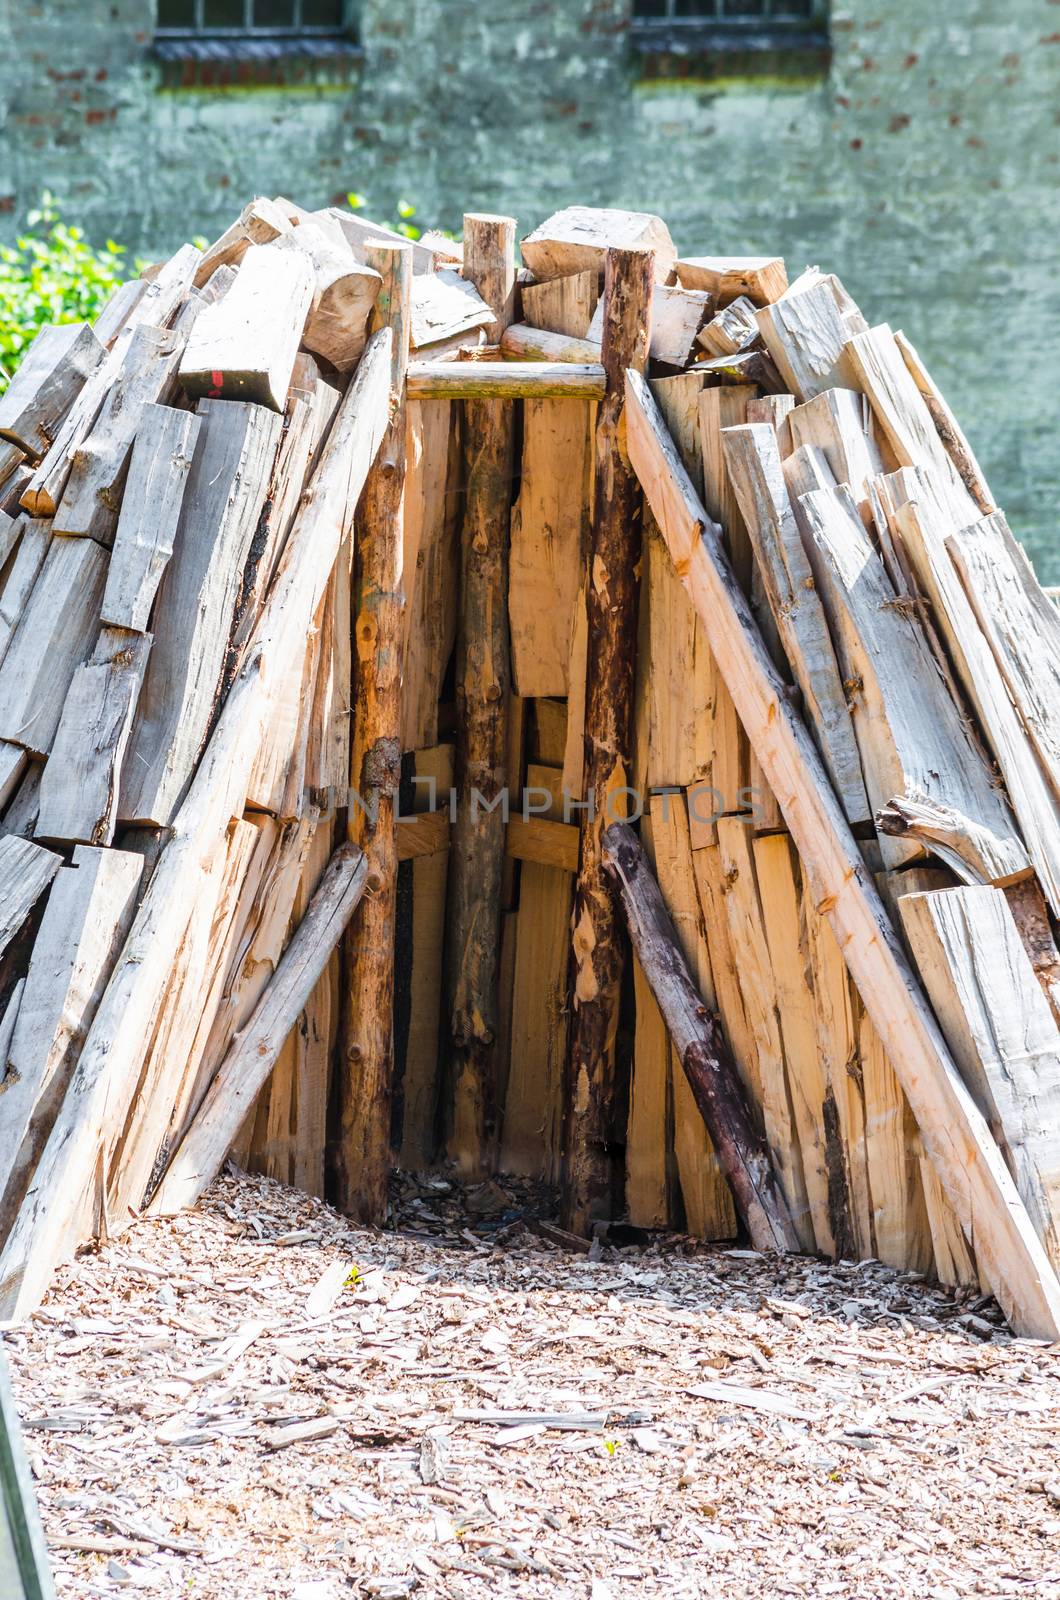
762	279
560	305
261	221
33	541
614	557
579	238
806	332
344	293
363	1157
746	366
504	380
956	1136
676	317
254	1051
483	685
89	910
445	306
775	409
948	428
702	1051
147	525
523	343
13	763
650	1186
118	309
839	423
79	787
359	234
59	1210
26	870
55	634
244	347
196	604
11	458
52	374
999	1026
433	508
731	330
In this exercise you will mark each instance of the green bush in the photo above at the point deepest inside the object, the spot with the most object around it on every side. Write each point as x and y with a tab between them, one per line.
51	274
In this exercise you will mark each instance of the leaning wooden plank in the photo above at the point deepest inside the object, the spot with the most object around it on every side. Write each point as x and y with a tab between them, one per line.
79	789
999	1026
59	1207
11	458
196	604
26	869
806	334
1023	629
243	348
948	428
505	380
839	423
696	1036
10	530
34	537
147	526
649	1185
433	503
914	743
261	221
250	1060
55	634
122	303
955	1133
578	238
755	470
52	374
731	330
88	914
762	279
900	1230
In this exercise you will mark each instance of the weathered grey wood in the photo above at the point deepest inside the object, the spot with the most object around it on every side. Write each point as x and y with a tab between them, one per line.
731	330
150	513
13	763
52	373
21	814
255	1049
196	604
578	238
92	498
79	787
59	1209
444	306
244	347
11	457
118	309
9	536
89	911
34	540
160	300
947	427
504	380
15	477
261	221
999	1026
752	455
914	743
358	232
55	633
839	423
26	869
806	332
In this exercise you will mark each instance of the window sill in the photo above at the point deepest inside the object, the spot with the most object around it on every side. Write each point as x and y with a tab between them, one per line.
708	51
205	63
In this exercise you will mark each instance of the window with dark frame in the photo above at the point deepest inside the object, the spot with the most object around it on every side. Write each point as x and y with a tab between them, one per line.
255	19
692	26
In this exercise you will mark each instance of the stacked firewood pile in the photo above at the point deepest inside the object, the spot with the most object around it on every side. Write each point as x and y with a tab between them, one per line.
348	578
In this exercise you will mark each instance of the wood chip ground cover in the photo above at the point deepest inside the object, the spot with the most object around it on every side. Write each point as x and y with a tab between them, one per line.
255	1400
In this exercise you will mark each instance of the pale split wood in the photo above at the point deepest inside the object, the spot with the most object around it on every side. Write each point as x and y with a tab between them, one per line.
445	306
731	330
762	279
147	523
948	428
529	342
260	221
677	315
432	563
344	293
806	332
775	409
34	537
839	423
50	376
505	380
578	238
244	347
649	1128
956	1136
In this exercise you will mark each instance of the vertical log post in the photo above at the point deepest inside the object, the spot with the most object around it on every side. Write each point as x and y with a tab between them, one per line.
362	1157
614	557
483	675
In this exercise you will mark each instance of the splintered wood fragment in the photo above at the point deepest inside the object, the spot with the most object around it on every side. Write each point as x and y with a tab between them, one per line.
89	910
762	279
914	743
578	238
26	870
504	380
55	634
255	1048
244	347
147	525
522	342
51	375
956	1136
59	1209
700	1047
219	514
839	423
344	293
444	306
731	330
33	539
755	470
118	309
79	788
948	428
746	366
676	317
1001	1031
766	1400
261	221
806	334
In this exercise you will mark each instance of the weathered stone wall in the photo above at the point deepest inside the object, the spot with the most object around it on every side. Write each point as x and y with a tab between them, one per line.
924	169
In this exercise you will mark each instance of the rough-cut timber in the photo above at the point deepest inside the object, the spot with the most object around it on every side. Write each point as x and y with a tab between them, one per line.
483	685
55	369
578	239
244	347
806	333
362	1157
614	557
505	380
147	525
701	1049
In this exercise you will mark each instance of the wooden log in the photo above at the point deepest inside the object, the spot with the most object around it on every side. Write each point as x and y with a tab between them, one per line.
504	380
366	1077
359	234
650	1185
999	1026
244	347
755	470
914	744
445	306
260	221
54	635
59	1207
114	315
676	317
806	332
775	409
147	524
13	763
955	1134
196	605
522	342
543	842
344	293
839	423
51	375
731	330
26	870
483	678
752	366
762	279
947	427
11	458
697	1039
33	540
250	1060
614	556
433	506
560	305
578	239
90	907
